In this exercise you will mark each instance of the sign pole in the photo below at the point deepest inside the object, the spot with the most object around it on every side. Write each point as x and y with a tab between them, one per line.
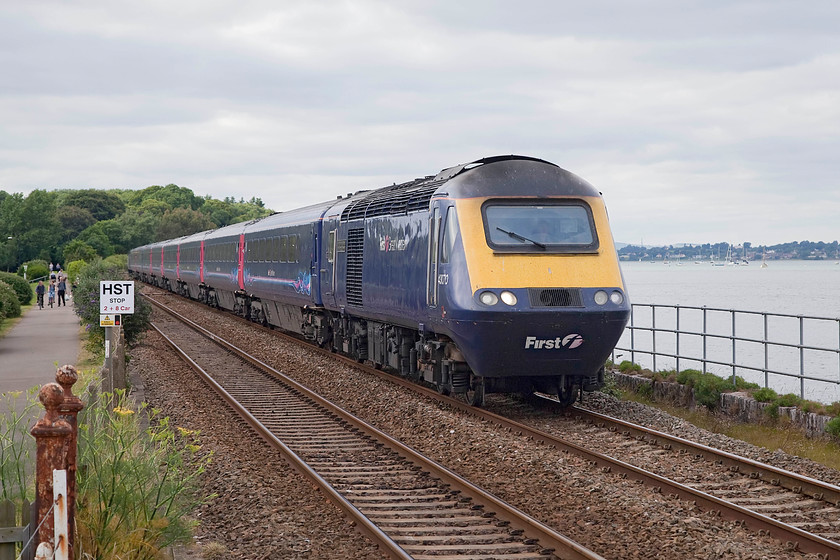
109	365
115	298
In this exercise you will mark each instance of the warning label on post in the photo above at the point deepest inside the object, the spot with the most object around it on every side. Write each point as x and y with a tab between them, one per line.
109	320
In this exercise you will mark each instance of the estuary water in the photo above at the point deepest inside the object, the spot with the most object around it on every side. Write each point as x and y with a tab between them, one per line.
801	288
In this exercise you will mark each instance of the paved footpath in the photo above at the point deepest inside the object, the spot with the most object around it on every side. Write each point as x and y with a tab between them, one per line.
30	350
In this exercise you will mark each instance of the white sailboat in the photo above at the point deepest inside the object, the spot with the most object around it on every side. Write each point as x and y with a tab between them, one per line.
764	258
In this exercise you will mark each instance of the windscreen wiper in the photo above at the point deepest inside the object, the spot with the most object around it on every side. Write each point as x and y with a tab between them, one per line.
521	238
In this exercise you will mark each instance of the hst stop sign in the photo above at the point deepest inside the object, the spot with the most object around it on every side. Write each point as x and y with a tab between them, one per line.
116	296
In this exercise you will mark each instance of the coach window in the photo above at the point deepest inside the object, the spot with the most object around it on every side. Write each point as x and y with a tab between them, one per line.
283	245
293	248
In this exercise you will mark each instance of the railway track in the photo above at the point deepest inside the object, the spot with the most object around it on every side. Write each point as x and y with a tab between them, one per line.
799	501
800	512
410	506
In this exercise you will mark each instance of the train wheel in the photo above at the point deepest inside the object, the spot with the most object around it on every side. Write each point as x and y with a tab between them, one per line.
474	395
567	395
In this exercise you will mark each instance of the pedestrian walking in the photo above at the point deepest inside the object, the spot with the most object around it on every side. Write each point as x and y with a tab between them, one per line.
62	289
52	292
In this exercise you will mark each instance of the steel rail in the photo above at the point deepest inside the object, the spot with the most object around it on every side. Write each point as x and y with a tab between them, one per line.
754	469
366	526
548	537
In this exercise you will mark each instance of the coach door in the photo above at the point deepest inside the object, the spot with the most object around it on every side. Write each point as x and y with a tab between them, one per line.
434	258
329	249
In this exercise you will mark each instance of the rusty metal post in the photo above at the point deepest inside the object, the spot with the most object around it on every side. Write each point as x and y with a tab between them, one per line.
66	376
50	434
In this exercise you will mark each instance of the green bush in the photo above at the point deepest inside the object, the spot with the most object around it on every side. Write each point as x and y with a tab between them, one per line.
86	304
20	286
707	386
788	400
9	303
765	394
628	366
118	261
34	269
833	427
73	269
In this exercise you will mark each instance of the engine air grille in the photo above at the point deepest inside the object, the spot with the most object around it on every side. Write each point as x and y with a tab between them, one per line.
394	200
355	261
555	297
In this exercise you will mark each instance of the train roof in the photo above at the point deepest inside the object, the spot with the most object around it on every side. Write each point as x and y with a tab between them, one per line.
514	176
493	176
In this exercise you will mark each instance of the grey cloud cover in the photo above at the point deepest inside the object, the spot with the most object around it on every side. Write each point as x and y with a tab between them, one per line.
699	121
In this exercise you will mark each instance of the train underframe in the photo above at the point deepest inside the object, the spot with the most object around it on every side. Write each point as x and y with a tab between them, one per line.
422	357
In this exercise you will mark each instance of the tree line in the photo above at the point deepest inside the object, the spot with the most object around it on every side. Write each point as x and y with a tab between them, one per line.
800	250
61	226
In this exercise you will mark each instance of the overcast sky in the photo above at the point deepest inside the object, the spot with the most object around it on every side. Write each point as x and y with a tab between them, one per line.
699	121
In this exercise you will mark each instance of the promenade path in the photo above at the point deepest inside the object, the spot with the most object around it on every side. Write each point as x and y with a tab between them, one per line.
30	350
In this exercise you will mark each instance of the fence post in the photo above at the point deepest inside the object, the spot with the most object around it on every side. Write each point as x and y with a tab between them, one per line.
50	434
66	376
61	539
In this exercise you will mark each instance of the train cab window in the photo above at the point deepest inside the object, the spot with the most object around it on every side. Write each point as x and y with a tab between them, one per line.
562	227
450	232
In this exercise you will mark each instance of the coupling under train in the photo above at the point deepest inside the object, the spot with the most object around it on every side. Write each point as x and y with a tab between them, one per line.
498	275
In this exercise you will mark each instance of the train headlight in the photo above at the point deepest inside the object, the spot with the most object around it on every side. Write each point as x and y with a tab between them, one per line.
488	298
617	297
508	297
601	297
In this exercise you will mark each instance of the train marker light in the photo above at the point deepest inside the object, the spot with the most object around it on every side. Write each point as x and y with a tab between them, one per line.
488	298
601	297
508	297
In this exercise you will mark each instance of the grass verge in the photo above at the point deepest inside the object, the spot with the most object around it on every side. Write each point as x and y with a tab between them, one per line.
770	437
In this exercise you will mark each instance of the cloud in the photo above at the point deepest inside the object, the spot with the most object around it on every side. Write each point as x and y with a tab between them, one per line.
696	120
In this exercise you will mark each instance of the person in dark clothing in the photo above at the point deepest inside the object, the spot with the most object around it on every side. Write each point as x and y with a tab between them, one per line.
62	288
40	290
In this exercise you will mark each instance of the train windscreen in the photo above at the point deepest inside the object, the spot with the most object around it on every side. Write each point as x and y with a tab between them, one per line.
541	227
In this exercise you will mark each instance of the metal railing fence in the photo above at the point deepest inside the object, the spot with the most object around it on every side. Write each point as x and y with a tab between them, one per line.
782	347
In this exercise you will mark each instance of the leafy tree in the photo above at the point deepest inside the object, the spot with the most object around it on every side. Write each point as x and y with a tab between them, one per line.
220	213
40	235
73	220
137	227
172	196
78	250
182	221
103	205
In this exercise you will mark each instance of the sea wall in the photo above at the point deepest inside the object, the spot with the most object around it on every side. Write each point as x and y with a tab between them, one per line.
738	406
